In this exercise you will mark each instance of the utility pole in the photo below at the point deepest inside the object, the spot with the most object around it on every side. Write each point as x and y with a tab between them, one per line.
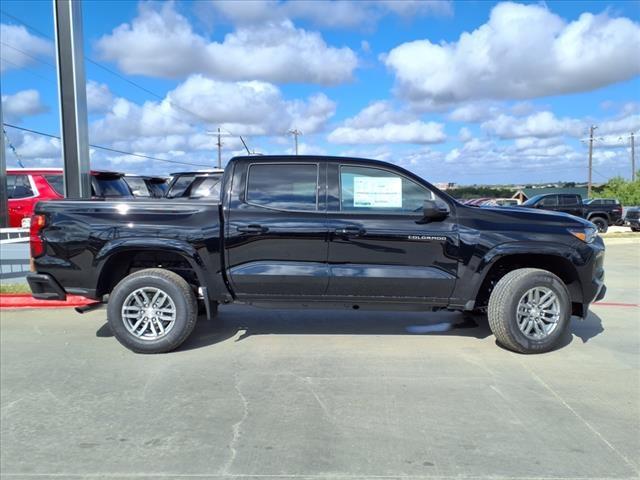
4	207
72	93
295	132
591	130
219	149
633	158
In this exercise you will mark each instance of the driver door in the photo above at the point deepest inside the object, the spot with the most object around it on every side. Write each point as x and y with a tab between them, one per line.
379	246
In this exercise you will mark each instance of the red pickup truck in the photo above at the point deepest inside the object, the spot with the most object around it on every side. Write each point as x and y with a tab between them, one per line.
28	186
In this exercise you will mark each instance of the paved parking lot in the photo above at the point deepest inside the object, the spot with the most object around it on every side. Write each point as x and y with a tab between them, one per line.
325	394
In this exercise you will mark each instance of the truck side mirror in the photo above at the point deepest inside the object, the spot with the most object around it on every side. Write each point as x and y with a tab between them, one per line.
433	211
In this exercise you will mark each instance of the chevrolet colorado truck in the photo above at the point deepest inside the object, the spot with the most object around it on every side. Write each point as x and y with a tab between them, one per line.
324	232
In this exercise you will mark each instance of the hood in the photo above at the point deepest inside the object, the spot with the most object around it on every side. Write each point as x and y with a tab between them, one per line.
527	216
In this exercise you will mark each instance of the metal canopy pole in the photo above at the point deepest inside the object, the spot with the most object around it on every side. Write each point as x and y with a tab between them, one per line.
4	205
72	93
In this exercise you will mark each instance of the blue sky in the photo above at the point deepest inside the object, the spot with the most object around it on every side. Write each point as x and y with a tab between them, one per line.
469	92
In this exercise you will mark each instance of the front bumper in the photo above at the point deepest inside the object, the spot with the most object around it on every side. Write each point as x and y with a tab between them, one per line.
45	287
633	222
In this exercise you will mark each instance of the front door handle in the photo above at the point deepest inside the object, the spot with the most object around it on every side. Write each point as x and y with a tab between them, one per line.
253	228
351	231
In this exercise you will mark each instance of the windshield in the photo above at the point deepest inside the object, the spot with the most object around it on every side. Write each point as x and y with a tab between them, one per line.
533	200
180	185
138	186
112	187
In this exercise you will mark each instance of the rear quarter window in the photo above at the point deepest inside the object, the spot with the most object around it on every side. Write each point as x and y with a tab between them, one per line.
283	186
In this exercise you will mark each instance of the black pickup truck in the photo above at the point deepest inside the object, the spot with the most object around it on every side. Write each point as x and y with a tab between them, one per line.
600	211
305	231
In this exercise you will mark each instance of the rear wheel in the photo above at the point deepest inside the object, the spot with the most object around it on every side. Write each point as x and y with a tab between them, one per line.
529	310
600	223
152	311
635	229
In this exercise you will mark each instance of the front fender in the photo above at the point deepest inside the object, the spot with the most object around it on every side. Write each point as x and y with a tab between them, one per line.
476	270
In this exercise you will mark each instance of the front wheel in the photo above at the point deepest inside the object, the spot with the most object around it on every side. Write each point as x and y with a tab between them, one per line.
529	310
152	311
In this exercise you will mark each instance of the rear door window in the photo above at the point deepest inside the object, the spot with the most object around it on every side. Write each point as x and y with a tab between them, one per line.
283	186
112	187
19	186
569	200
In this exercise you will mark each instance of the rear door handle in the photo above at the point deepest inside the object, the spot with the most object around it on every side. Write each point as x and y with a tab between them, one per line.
350	231
253	228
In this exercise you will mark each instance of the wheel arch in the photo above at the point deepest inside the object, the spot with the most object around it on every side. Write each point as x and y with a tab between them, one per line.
506	258
115	260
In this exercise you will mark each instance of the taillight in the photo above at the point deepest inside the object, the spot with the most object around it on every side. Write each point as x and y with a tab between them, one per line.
37	246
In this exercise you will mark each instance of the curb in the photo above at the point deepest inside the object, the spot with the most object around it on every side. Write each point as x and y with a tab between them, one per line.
25	300
620	240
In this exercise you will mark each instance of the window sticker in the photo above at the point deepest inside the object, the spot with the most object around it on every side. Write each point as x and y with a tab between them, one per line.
379	192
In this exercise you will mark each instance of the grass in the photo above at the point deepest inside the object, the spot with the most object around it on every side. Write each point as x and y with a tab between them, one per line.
14	288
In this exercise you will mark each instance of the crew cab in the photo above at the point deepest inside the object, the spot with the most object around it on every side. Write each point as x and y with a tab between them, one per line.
28	186
601	213
311	231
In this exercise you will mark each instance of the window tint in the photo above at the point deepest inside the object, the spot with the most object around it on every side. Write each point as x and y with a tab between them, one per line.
56	182
138	186
568	200
550	201
180	185
18	186
364	189
208	187
284	186
113	187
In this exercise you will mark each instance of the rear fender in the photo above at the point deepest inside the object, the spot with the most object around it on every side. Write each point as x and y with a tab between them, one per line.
151	245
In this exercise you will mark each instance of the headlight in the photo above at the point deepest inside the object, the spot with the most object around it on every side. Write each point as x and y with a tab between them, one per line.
586	234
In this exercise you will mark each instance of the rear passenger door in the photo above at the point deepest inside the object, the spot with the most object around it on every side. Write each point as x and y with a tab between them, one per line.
571	204
276	232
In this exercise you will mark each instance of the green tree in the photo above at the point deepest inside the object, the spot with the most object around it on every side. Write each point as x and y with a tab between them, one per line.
627	192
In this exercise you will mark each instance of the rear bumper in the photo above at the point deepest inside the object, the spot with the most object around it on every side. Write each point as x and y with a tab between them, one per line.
45	287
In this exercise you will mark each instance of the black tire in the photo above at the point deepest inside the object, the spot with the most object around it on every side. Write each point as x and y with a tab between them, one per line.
503	305
635	229
600	223
176	288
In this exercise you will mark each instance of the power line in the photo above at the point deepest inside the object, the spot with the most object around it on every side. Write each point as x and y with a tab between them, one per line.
109	149
16	66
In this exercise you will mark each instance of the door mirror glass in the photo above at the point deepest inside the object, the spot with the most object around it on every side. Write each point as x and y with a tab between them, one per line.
433	210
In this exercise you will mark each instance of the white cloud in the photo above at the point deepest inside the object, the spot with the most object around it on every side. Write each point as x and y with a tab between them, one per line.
22	104
99	97
176	123
414	132
541	124
33	147
380	123
333	14
523	51
621	125
464	135
162	43
19	47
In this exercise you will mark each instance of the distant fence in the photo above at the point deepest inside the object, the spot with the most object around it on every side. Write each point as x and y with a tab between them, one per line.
14	254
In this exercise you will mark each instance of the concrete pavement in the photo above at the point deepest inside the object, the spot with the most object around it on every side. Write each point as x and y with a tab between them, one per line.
324	394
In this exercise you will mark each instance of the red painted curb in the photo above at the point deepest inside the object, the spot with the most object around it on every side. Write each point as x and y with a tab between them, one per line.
616	304
24	300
